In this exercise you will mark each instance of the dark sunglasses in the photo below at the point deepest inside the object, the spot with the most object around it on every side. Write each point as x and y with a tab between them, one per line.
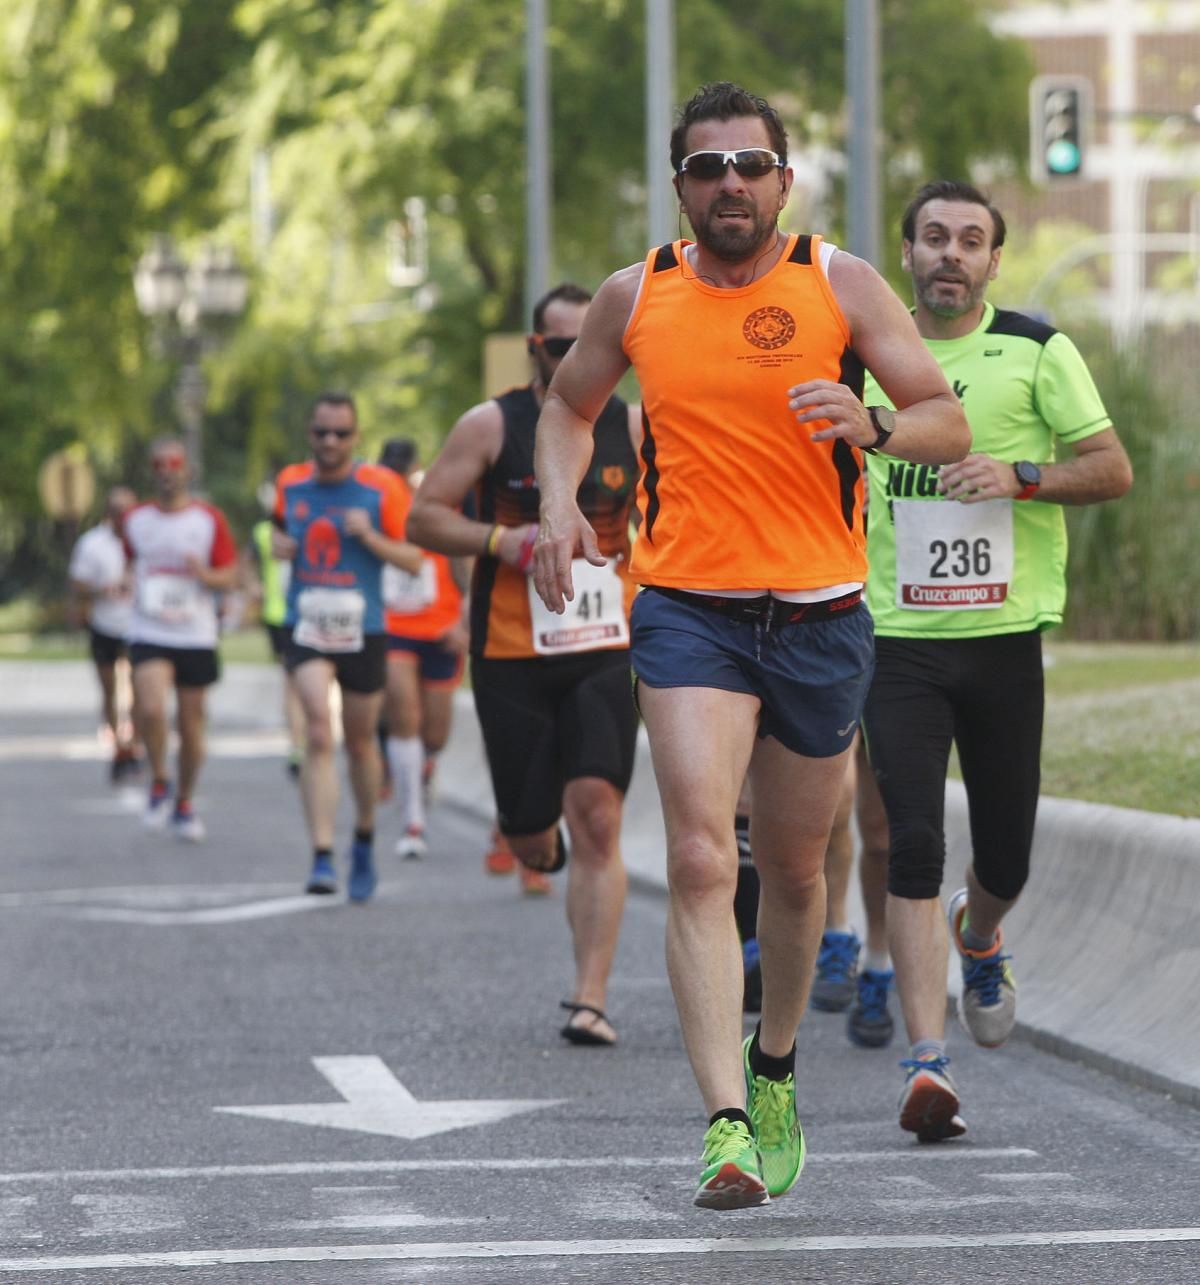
554	346
749	162
332	432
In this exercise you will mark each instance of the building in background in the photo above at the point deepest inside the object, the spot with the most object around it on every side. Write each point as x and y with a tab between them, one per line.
1137	201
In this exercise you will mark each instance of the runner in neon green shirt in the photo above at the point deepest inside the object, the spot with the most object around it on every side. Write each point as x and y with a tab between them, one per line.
967	568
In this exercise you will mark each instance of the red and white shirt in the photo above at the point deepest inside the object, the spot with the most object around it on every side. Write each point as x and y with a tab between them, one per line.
171	608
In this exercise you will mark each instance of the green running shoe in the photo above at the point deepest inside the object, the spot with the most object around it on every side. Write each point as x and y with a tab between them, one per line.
731	1178
771	1106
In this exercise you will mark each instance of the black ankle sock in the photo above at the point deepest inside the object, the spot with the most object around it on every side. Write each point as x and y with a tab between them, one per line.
364	836
771	1068
320	854
736	1114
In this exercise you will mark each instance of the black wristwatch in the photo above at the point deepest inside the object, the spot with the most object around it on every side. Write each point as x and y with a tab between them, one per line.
884	421
1030	478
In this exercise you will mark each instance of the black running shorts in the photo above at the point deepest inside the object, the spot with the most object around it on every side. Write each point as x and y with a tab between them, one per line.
550	720
194	666
364	672
105	649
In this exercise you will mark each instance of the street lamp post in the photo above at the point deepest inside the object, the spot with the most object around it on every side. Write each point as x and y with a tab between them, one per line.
190	302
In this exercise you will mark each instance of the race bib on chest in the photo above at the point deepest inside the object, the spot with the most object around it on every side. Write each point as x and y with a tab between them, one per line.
407	592
596	618
173	600
951	556
330	620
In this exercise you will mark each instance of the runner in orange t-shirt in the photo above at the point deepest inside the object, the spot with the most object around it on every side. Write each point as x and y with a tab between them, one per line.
427	639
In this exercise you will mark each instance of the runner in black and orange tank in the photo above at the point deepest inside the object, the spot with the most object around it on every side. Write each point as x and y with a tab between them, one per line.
751	647
503	611
552	691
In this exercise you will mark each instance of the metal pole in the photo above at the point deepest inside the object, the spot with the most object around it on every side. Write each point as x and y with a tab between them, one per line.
1125	198
538	197
862	89
191	392
660	94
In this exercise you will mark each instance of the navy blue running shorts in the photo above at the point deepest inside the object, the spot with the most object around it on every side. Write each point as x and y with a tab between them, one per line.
811	677
439	666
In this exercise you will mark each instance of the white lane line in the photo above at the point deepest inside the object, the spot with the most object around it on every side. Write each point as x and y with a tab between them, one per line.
293	905
15	1212
1027	1177
383	1222
304	1168
942	1204
164	894
600	1248
50	747
123	1215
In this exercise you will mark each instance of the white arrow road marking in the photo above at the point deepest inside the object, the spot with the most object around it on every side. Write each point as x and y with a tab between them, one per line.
376	1102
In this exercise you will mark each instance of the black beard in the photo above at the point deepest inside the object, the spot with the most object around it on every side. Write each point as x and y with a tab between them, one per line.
730	243
927	293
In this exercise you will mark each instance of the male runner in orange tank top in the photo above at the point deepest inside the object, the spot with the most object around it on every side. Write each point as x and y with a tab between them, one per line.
751	647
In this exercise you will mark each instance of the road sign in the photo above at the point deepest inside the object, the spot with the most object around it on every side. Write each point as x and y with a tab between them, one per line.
376	1102
67	484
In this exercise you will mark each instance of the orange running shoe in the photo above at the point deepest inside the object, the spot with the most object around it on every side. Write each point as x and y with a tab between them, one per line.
499	858
534	883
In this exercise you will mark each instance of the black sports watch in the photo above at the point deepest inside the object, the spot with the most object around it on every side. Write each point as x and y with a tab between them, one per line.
884	422
1030	478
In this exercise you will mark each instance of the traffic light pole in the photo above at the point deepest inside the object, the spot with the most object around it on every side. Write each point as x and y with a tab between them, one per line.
862	89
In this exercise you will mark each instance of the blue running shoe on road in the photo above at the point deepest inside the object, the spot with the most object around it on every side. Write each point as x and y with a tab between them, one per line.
837	964
869	1023
323	878
362	872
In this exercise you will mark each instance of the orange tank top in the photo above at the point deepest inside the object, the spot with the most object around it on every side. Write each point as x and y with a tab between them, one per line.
424	606
734	494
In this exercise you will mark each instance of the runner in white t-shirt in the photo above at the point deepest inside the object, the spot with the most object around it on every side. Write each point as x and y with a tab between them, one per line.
182	554
101	590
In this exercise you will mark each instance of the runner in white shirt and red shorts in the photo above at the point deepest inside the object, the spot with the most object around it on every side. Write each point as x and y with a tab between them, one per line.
182	555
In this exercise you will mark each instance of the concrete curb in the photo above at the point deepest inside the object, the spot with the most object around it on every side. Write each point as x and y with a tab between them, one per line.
1104	936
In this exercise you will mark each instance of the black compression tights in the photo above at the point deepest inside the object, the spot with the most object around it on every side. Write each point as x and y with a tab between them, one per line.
986	696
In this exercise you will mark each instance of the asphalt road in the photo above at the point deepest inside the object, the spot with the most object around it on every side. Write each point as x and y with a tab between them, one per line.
151	985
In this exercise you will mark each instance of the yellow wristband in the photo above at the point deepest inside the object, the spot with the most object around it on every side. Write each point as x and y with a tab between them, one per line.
493	540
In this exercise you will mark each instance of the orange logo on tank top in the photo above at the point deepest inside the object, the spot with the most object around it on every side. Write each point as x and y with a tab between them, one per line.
322	544
612	478
769	327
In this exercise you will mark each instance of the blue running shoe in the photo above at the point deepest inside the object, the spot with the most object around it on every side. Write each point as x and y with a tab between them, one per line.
323	879
837	964
362	872
869	1024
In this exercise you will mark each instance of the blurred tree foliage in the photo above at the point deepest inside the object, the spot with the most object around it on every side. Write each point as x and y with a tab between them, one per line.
118	120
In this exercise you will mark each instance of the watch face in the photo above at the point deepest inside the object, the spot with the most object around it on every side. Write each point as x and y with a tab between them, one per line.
884	418
1028	474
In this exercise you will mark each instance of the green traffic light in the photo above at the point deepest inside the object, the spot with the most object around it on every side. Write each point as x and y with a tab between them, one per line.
1062	157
